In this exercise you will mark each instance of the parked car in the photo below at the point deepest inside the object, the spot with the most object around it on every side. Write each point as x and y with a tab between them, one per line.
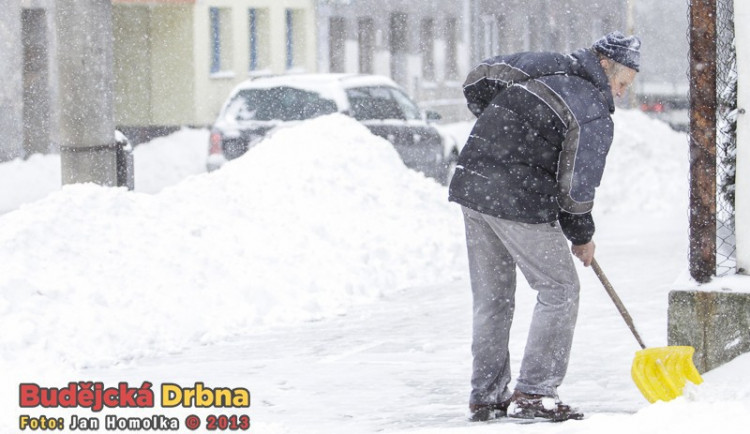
667	102
257	107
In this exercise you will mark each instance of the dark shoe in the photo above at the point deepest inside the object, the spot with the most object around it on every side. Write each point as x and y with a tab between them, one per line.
485	412
526	406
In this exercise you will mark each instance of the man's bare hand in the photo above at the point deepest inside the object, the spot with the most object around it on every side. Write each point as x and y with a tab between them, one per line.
584	252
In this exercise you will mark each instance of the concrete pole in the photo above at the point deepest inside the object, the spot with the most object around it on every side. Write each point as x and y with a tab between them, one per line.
742	182
11	91
87	127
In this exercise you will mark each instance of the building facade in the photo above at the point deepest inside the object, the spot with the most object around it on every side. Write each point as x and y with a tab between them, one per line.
506	26
422	45
177	60
428	46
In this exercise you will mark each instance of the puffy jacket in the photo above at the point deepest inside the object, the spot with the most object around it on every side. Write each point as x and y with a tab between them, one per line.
537	151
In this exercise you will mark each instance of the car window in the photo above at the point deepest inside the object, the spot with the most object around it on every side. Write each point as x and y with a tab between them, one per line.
279	103
410	110
368	103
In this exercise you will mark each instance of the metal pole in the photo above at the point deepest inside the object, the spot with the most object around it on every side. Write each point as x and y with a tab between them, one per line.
703	106
87	129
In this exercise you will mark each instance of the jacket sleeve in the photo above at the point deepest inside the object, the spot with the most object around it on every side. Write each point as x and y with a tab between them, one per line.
578	228
581	164
494	75
488	79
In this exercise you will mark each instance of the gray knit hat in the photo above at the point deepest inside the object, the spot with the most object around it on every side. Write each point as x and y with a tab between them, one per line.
620	48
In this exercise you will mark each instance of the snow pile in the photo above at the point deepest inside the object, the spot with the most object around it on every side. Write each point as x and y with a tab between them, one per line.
31	180
159	163
166	161
642	172
318	217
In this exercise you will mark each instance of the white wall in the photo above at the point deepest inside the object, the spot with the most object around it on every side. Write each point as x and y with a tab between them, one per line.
742	193
132	64
172	86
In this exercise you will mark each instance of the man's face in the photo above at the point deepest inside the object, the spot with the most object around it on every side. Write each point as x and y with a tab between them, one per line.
620	77
620	81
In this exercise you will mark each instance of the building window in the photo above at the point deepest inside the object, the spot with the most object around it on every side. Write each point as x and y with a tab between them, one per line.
259	38
295	38
366	39
451	48
337	39
221	39
427	47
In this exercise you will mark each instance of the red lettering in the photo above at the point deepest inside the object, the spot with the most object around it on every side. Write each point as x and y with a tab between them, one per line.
68	397
28	395
110	398
48	397
127	396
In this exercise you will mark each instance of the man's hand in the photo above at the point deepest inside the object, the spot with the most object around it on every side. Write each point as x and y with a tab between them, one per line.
584	252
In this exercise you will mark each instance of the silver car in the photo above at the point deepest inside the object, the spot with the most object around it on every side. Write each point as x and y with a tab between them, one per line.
257	106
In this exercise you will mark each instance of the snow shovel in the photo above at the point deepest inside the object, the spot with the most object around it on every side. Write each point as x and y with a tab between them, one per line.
659	373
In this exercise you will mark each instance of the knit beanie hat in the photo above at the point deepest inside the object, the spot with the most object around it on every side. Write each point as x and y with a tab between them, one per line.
621	49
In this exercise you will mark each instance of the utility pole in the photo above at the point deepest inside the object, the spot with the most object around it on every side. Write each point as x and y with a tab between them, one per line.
702	135
87	130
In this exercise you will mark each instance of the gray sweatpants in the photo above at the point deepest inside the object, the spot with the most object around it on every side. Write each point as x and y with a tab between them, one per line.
542	254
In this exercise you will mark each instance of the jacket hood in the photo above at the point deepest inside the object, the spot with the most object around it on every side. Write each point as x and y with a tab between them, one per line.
587	66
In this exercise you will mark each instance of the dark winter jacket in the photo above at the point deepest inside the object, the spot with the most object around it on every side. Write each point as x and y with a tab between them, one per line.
538	148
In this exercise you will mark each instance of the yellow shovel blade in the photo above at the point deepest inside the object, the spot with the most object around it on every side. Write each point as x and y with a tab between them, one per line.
661	373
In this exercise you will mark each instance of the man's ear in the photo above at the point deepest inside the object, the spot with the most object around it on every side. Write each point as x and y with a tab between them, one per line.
605	63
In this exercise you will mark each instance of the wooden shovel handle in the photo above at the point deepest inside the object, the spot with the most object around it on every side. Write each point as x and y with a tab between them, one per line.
620	306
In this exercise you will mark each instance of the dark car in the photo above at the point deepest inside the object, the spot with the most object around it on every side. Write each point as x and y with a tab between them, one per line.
256	107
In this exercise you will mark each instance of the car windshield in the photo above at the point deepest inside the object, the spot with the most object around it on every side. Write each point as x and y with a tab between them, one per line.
278	103
381	102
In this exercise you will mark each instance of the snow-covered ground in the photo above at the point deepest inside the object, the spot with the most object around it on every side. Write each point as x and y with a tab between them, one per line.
328	279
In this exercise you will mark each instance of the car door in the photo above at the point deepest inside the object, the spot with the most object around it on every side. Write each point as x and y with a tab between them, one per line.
389	113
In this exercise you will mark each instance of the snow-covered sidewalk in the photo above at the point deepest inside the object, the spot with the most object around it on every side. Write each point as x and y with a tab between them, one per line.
402	363
329	280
